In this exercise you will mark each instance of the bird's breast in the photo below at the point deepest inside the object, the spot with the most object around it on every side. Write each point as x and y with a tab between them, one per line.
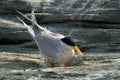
65	53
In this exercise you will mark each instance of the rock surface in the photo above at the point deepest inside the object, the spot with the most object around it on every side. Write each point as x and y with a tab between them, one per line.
94	23
17	63
70	10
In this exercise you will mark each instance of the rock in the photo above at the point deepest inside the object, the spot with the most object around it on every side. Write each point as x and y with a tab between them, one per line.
72	10
94	24
90	39
31	44
12	32
16	66
11	6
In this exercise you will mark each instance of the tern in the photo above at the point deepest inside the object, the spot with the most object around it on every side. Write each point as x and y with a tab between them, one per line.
54	47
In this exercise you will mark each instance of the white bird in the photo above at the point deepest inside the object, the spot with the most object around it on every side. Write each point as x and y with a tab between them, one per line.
55	48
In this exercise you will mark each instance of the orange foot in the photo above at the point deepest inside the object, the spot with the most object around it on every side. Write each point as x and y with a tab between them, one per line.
49	63
65	65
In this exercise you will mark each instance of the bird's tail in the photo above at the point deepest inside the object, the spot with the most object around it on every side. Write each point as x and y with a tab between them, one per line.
32	20
30	30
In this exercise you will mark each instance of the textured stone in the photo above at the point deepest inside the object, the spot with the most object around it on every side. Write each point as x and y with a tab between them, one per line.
12	32
94	24
91	10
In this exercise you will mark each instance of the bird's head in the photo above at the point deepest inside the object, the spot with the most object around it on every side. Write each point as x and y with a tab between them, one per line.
71	43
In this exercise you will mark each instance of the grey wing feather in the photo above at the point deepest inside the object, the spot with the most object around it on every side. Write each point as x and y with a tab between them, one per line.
33	17
30	20
44	41
28	27
30	30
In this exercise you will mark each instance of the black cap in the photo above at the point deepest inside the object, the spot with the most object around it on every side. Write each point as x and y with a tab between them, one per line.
68	41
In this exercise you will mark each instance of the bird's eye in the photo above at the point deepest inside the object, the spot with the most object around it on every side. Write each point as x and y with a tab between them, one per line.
68	41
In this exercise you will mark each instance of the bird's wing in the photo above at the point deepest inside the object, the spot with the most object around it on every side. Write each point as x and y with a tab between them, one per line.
33	18
32	21
48	44
30	30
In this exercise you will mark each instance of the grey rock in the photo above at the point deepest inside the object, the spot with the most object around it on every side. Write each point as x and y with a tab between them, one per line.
90	10
12	32
93	23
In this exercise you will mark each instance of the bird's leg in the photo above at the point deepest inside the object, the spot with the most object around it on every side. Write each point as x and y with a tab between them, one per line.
63	65
49	64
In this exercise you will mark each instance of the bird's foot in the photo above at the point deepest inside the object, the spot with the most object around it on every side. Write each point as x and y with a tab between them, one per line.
65	65
49	64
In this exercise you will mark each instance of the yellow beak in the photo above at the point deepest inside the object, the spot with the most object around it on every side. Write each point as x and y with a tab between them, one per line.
77	50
